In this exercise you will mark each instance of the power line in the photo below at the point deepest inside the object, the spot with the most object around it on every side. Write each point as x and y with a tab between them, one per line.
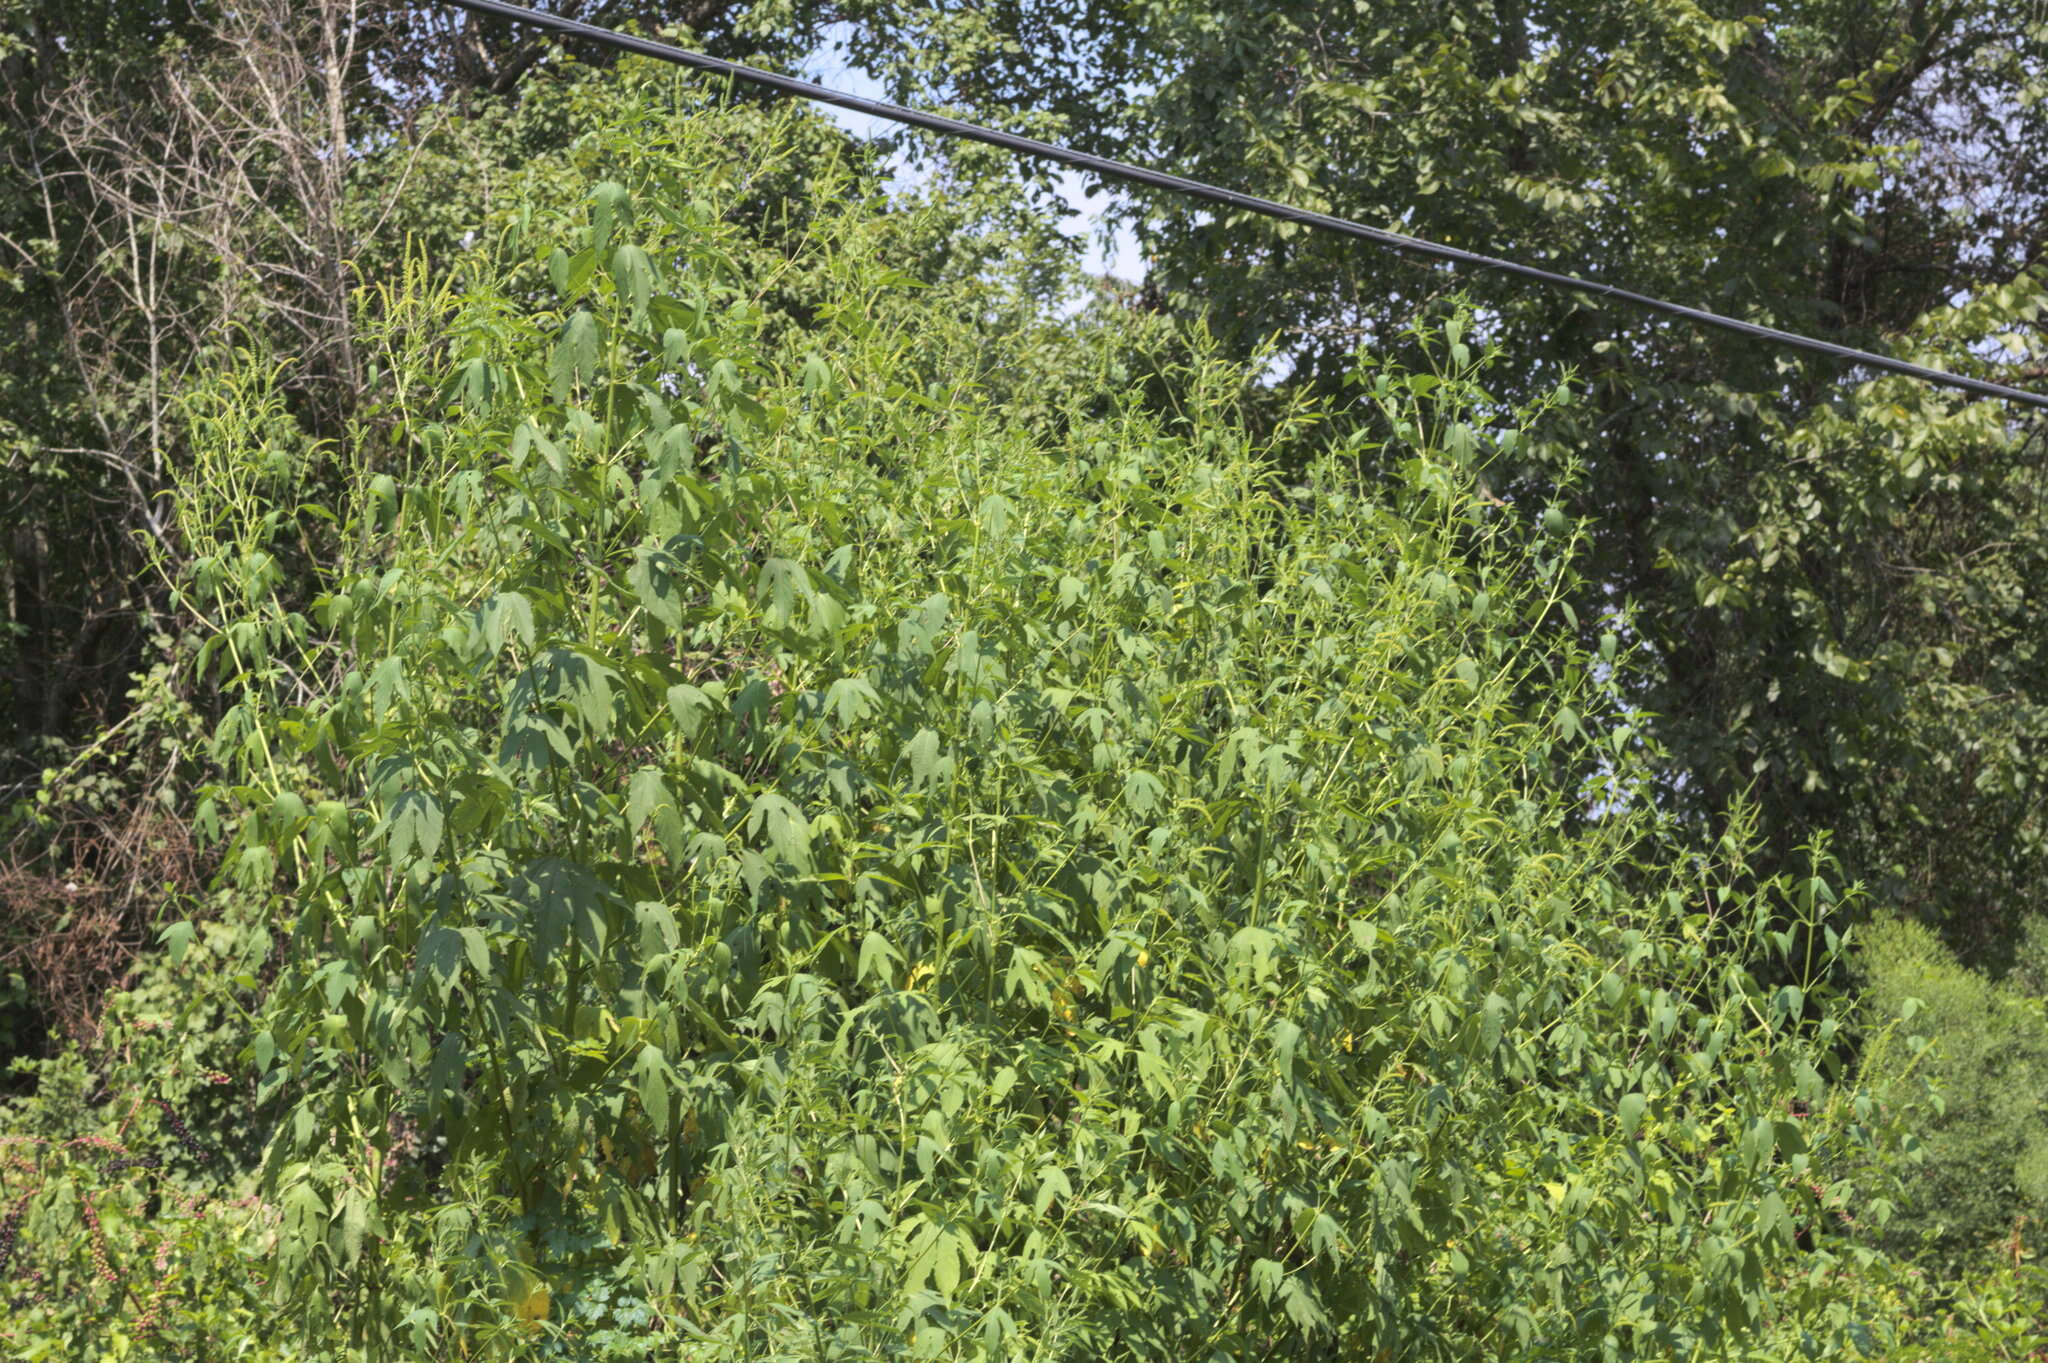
1155	179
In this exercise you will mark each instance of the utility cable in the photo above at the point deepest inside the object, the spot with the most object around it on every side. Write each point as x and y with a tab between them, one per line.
1196	189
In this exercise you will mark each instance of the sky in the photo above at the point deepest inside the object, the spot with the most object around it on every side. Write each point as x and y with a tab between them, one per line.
1116	255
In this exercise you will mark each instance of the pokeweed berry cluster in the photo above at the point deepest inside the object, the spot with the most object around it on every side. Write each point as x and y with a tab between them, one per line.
9	1229
96	1242
149	1318
36	1279
184	1134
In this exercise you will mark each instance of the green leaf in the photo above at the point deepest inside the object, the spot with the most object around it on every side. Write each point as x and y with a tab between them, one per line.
444	1075
658	583
387	684
351	1221
415	827
850	700
879	960
478	948
634	273
576	355
440	957
950	1253
1771	1216
658	929
690	707
782	583
530	437
1357	96
610	204
926	764
1773	164
508	614
305	1215
1302	1308
789	833
558	897
1143	792
646	793
177	939
1493	1014
1053	1184
650	1081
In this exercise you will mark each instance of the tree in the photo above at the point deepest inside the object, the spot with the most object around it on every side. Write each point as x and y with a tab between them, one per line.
72	492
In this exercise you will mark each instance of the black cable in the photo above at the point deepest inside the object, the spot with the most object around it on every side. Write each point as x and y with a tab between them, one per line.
1121	170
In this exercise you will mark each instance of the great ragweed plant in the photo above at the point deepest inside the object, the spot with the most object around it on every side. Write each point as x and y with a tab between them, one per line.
888	879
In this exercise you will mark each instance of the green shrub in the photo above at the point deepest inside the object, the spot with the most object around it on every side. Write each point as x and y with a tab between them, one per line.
1984	1137
1995	1315
789	859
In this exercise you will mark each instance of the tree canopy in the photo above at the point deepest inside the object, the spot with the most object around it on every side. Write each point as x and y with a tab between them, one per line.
1836	581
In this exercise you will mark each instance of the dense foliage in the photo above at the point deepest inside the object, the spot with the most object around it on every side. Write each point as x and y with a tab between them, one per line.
1836	590
709	761
813	866
178	180
1988	1143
